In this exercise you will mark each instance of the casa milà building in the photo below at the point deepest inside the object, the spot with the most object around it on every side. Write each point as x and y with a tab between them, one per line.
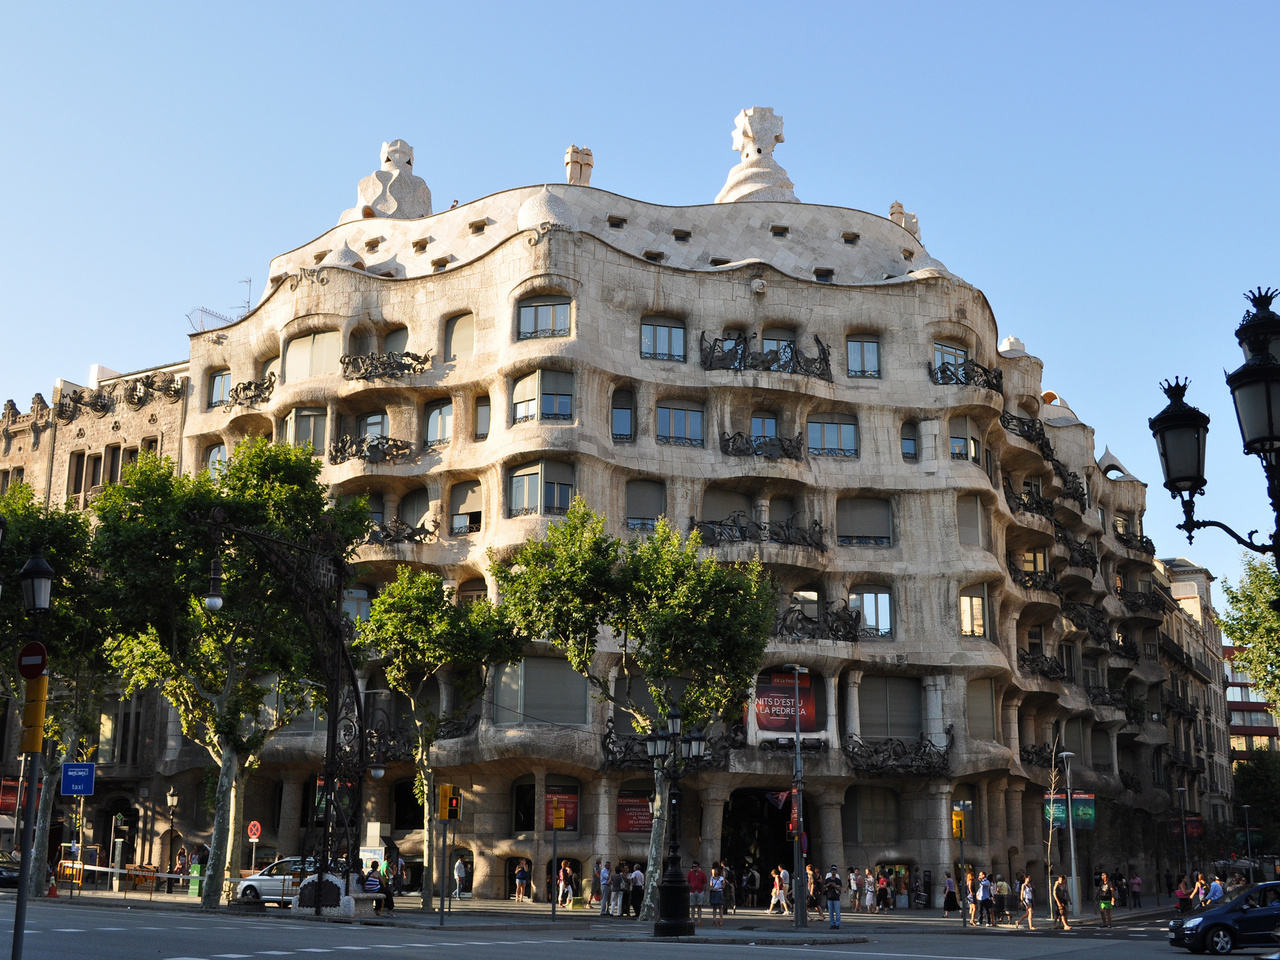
965	580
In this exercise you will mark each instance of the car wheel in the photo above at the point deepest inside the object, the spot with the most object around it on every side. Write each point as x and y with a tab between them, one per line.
250	893
1219	940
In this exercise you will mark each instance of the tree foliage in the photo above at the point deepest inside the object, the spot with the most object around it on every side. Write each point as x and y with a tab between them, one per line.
1257	783
1253	626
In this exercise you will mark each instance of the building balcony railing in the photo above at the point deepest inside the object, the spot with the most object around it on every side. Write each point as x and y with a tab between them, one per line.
968	372
628	750
1141	600
920	757
370	449
396	530
736	354
1134	541
1026	502
251	392
1032	579
1124	647
1130	781
1089	619
836	622
675	441
1036	755
739	527
1080	553
771	448
1107	697
383	366
1050	668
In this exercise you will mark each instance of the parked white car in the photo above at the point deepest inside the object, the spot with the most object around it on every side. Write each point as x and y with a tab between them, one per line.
277	883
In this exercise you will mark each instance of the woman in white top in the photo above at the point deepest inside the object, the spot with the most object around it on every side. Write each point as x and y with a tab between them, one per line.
1026	893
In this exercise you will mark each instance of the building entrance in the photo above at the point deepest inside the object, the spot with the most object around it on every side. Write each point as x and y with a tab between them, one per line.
755	832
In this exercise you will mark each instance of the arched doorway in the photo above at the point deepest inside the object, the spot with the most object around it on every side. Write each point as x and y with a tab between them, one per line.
755	831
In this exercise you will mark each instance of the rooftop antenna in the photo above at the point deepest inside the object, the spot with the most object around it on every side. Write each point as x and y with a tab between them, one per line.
248	294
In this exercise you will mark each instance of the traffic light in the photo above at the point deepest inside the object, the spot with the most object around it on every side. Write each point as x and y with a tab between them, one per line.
32	738
450	807
557	814
957	825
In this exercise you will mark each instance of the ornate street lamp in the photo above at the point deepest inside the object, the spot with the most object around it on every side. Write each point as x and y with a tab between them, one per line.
672	756
1180	430
37	584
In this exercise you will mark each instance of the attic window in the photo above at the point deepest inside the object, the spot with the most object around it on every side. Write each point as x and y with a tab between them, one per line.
371	246
617	222
439	263
654	256
719	261
779	230
420	245
319	256
682	236
388	273
477	226
851	238
908	254
823	274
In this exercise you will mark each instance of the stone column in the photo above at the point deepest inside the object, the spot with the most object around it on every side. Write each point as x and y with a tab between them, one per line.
997	822
1009	715
830	828
934	726
832	729
488	807
1086	743
936	845
984	816
760	508
852	709
332	424
390	507
713	801
290	819
1026	728
1114	734
1013	825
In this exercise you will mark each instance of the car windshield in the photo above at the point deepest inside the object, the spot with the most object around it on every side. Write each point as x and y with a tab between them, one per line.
8	858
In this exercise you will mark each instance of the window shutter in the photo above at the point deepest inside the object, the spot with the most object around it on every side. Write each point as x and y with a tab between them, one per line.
969	517
873	707
324	352
526	388
859	517
297	359
459	338
646	498
554	381
623	400
396	341
906	718
553	692
553	471
506	694
465	497
981	709
718	504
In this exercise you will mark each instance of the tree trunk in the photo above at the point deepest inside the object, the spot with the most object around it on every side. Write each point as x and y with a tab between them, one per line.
657	843
212	894
235	835
37	881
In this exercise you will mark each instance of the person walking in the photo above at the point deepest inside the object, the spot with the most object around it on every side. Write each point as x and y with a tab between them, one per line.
1106	899
637	890
1062	901
949	900
832	888
971	897
869	891
813	892
606	887
730	890
521	875
984	900
1001	895
459	876
1135	891
853	885
778	896
715	895
697	881
1027	894
595	881
621	890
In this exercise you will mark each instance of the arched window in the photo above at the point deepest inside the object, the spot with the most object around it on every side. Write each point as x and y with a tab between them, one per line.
415	508
524	796
459	338
952	355
862	522
219	387
543	317
311	355
966	442
356	601
540	690
372	425
646	502
472	590
215	458
439	423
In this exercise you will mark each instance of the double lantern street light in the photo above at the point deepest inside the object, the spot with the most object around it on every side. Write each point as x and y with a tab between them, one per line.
670	751
1180	429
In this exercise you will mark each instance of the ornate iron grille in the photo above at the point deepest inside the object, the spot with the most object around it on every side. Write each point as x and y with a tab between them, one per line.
771	448
1036	755
370	450
1090	619
1027	502
1050	668
1032	579
969	372
739	527
252	392
396	530
384	366
1135	541
1138	600
836	621
918	758
787	358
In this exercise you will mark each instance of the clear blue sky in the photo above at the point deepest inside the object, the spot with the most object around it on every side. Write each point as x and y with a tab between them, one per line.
1105	173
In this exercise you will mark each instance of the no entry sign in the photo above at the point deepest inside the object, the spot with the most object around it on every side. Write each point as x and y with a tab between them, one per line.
32	660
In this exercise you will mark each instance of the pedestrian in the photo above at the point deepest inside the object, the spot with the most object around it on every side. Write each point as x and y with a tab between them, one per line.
949	900
621	890
869	891
854	885
715	895
1199	891
986	900
813	892
778	897
1121	884
459	877
1027	894
637	890
522	882
606	885
698	898
785	875
971	897
884	896
1183	894
832	889
1106	899
373	883
1215	893
1062	901
730	889
1135	891
1001	895
595	880
752	881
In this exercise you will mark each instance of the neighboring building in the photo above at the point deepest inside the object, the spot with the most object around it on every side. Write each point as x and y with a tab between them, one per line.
968	585
1253	718
1194	703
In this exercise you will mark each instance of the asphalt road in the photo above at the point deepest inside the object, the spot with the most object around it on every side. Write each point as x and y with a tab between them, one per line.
67	931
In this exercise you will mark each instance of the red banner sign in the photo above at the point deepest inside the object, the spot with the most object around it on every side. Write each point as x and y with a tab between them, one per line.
8	796
567	797
776	704
634	813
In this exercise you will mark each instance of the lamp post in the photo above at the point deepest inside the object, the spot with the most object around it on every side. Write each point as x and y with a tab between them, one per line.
1182	811
799	895
670	752
1180	430
1065	756
171	803
1248	839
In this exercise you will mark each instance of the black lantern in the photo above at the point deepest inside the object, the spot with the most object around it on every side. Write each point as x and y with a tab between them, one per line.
1255	387
213	599
1180	431
37	584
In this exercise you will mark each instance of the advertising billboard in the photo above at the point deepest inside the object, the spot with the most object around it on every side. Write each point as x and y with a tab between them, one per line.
776	703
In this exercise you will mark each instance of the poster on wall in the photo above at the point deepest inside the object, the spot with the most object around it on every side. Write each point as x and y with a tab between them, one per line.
1082	810
1055	809
634	813
776	703
567	797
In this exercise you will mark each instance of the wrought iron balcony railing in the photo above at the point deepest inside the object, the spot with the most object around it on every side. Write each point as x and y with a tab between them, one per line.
1141	600
1106	697
736	354
738	527
370	449
1130	781
1032	579
920	757
836	622
1134	541
1080	553
771	448
396	530
1027	502
383	366
968	372
1050	668
1089	619
628	750
1036	755
252	392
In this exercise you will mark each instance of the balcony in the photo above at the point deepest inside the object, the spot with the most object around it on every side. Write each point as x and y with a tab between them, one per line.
835	622
396	530
251	392
771	448
1080	553
383	366
1090	620
1134	541
738	527
1032	579
1106	697
1142	602
1040	665
736	354
969	373
917	758
628	750
1028	502
370	450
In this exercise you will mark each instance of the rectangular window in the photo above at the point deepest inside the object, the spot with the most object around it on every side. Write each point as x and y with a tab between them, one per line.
372	425
1067	657
1089	671
971	521
465	508
623	415
557	395
662	341
833	435
219	387
764	425
875	604
557	487
778	347
76	477
973	611
550	480
545	317
863	357
949	353
910	441
439	424
680	424
308	427
981	709
524	399
482	418
311	355
541	690
95	471
863	522
890	707
646	502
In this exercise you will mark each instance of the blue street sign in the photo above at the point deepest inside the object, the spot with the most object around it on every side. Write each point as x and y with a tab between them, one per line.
77	779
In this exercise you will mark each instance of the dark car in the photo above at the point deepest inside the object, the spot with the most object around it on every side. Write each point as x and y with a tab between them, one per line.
9	868
1243	920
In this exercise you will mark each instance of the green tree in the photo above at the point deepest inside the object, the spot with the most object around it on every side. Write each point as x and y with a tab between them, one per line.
1257	783
689	631
420	633
237	676
73	632
1253	626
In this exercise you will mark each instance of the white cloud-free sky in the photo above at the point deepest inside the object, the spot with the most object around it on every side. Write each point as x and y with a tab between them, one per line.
1104	172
